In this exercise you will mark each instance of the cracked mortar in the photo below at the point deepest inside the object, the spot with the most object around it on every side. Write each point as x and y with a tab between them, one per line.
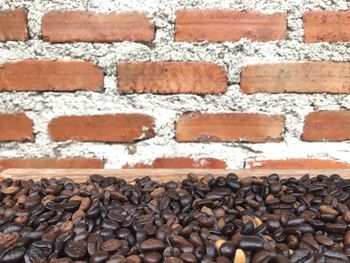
42	107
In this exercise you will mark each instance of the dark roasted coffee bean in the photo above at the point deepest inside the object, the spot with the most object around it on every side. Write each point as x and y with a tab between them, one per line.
111	245
301	256
288	199
336	256
227	249
152	244
324	240
94	243
99	257
14	255
251	242
173	260
308	242
339	228
292	242
214	219
75	249
264	256
152	257
188	257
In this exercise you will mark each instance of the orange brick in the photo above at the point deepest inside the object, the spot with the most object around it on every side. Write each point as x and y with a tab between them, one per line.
330	126
182	163
13	25
53	163
229	25
297	163
74	26
298	77
171	77
16	127
32	75
245	127
102	128
326	26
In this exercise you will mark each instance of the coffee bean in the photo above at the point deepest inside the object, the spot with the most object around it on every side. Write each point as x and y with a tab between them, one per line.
347	237
251	242
152	257
264	256
300	255
292	242
152	244
13	255
215	219
336	228
288	199
336	256
240	256
75	249
173	260
324	240
111	245
188	258
218	244
99	257
328	210
227	249
11	190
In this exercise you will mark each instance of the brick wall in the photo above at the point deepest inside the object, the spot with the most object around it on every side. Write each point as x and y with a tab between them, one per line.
215	84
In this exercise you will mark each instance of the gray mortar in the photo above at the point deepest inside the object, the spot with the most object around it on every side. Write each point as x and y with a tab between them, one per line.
42	107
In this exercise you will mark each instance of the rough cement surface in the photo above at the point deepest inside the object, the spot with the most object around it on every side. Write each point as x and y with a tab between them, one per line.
42	107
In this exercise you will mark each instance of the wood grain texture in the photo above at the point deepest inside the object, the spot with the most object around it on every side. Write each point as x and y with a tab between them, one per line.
160	175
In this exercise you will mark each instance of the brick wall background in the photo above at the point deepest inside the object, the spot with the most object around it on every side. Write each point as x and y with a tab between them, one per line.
175	83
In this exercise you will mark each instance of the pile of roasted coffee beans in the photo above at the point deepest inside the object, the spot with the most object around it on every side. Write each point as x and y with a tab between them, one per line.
220	219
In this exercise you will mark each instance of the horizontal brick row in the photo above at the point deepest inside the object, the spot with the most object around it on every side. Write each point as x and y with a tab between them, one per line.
196	127
191	127
31	75
193	25
229	25
74	26
176	77
181	163
172	163
53	163
296	163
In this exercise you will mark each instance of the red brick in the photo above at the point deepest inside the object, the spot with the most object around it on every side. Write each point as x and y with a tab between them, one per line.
330	126
298	77
171	77
73	26
297	163
229	25
326	26
13	25
16	127
245	127
102	128
182	163
32	75
53	163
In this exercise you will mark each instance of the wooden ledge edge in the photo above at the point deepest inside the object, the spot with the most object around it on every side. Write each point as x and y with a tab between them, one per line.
161	175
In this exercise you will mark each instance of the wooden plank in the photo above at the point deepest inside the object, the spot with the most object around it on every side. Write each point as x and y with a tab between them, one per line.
160	175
